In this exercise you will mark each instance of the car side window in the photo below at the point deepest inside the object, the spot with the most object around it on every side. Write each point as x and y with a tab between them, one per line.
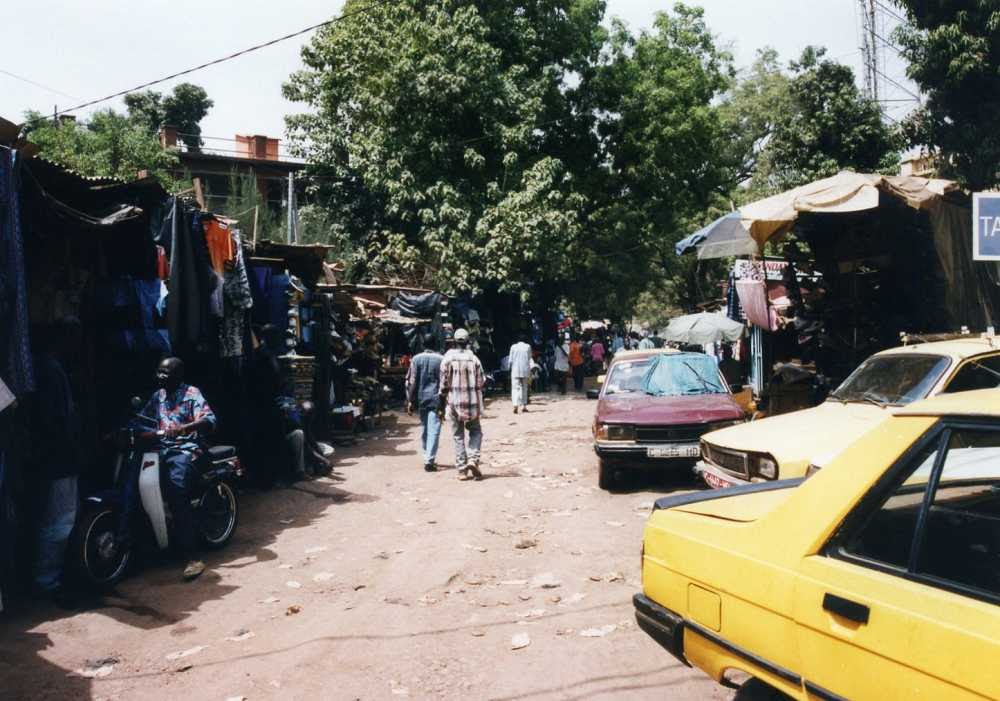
940	522
981	373
960	539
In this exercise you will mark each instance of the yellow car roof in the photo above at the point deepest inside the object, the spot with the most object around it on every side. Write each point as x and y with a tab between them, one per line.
980	402
958	348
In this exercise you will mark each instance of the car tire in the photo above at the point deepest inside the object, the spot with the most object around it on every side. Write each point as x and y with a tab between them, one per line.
756	690
607	475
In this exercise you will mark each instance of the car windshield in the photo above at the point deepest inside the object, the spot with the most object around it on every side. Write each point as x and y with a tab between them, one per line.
892	379
683	374
626	376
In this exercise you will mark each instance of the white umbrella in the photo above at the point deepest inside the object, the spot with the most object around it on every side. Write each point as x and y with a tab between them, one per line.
703	328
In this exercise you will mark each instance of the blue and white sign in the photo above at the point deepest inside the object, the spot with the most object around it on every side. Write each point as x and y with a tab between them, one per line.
986	226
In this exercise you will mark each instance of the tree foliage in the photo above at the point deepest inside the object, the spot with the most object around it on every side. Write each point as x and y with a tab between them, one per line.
953	50
827	126
517	146
110	145
184	108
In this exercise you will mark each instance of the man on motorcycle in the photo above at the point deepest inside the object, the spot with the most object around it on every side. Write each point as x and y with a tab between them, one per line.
182	417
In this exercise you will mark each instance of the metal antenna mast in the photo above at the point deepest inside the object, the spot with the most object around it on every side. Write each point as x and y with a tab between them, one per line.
870	46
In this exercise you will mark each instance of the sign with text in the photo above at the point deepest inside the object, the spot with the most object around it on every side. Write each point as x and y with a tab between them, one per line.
986	226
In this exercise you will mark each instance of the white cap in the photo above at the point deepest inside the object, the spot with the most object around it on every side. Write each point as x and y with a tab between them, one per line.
461	335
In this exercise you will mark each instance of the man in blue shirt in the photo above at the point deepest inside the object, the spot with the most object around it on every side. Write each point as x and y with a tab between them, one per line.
422	388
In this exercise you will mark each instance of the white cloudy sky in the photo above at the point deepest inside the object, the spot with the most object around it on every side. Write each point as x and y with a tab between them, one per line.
83	50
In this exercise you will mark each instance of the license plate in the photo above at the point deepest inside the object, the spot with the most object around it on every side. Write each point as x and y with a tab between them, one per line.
716	482
674	451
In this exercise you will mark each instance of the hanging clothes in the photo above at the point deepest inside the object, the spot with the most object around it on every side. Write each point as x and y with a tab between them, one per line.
15	351
753	299
237	299
192	283
219	240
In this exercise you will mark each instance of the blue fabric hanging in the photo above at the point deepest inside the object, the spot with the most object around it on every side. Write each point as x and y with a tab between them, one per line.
15	346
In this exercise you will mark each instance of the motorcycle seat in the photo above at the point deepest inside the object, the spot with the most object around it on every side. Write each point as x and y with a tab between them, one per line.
220	452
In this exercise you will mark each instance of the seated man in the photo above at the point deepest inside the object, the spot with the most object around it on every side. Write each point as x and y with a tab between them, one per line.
182	416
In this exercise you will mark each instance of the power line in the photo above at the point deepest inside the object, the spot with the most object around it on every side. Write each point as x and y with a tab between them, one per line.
257	47
890	12
900	86
38	85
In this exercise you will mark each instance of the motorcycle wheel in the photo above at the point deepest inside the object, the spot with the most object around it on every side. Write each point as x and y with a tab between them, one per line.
218	513
96	560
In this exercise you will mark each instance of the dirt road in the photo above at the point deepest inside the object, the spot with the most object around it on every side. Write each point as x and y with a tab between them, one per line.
386	582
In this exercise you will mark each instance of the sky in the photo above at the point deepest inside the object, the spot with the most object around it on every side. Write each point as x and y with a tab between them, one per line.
77	51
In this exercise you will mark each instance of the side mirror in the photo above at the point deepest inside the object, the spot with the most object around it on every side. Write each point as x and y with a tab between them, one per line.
601	378
736	388
136	403
593	394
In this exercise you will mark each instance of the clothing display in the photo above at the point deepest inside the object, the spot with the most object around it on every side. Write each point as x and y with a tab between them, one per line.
15	351
753	300
237	299
192	283
219	240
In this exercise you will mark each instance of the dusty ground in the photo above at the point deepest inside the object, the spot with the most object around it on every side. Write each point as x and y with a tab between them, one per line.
386	582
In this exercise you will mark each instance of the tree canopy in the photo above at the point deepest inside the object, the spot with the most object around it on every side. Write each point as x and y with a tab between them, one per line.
110	145
512	145
953	50
184	108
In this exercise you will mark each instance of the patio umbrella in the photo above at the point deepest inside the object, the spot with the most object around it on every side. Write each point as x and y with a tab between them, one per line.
726	236
703	328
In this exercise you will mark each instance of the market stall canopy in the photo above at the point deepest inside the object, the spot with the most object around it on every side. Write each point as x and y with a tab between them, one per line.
593	325
703	328
726	236
842	193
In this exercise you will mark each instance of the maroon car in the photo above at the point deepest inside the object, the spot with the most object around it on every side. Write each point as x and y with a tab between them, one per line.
653	408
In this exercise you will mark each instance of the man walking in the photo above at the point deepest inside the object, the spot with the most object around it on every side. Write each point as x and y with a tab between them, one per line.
561	364
423	381
462	381
520	373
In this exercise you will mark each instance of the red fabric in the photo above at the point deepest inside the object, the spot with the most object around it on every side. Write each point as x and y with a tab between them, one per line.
162	266
753	299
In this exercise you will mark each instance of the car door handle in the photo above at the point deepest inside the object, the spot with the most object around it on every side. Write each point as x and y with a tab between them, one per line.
845	608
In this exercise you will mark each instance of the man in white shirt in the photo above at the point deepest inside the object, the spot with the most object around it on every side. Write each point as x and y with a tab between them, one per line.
520	373
561	364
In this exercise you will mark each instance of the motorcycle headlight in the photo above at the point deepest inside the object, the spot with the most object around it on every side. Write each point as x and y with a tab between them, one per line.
612	432
766	467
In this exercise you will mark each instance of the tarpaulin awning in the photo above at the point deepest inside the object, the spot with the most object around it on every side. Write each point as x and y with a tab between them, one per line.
703	328
843	193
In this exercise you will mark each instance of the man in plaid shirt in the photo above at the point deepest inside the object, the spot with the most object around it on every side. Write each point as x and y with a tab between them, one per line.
462	381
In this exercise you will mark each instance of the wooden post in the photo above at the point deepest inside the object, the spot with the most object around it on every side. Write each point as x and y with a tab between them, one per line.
254	245
199	195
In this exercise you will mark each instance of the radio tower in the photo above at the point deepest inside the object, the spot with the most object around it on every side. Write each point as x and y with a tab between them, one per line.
870	50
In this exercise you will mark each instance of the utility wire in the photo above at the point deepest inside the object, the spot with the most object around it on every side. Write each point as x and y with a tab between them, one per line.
38	85
346	15
900	86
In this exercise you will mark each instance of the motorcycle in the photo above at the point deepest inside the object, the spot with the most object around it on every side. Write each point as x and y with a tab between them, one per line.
99	559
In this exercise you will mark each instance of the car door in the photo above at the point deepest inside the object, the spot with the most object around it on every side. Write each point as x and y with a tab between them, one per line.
904	602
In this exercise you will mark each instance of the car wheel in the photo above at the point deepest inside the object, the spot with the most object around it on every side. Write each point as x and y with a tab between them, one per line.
607	475
756	690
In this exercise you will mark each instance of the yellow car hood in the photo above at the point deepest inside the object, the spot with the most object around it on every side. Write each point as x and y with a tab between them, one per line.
797	438
741	507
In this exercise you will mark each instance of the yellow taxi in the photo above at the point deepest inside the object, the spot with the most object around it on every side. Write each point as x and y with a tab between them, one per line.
876	578
790	445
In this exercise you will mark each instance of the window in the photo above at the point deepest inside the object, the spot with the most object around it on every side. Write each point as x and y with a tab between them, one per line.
896	378
626	376
941	520
981	373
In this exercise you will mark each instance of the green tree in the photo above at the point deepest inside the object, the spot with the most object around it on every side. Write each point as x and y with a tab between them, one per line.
110	145
443	120
184	108
953	49
829	127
